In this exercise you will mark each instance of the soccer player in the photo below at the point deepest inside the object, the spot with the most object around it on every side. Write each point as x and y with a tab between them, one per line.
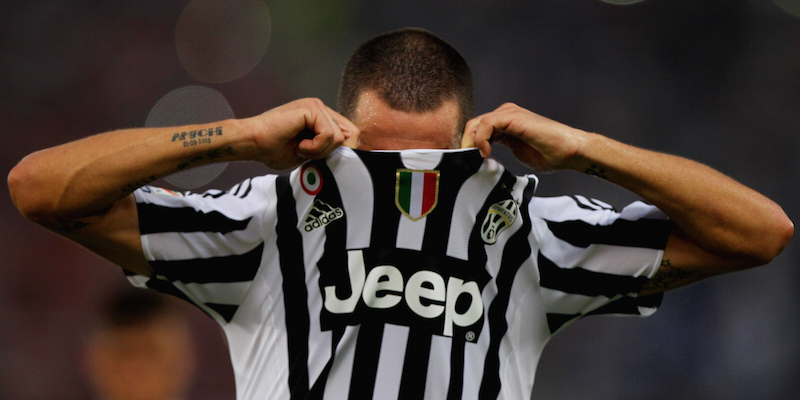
393	264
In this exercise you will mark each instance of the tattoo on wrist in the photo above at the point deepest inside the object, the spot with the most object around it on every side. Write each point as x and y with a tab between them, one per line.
194	138
597	171
211	155
129	188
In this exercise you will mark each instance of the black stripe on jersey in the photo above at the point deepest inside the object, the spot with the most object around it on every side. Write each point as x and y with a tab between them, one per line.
595	205
648	233
515	252
415	365
365	361
157	219
247	183
235	268
167	287
295	295
584	282
318	390
630	305
556	321
477	256
456	387
626	305
226	311
334	263
454	169
249	187
386	217
215	194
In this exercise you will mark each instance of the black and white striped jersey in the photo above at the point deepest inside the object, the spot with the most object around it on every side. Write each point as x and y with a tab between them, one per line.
419	274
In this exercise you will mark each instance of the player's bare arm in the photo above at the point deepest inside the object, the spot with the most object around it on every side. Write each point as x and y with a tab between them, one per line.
82	190
721	225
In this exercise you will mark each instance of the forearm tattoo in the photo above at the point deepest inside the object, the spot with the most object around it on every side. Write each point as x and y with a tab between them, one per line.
211	155
597	171
668	276
193	138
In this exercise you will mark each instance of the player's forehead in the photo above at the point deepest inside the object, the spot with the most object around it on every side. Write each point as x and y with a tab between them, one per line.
379	124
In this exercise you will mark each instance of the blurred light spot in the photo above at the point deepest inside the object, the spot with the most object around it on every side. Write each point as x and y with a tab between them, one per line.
622	2
191	105
790	6
219	41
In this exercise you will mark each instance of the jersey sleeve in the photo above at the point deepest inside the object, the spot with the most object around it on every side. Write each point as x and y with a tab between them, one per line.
205	248
593	259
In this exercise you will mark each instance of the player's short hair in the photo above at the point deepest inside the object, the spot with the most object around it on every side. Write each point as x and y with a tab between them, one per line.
411	70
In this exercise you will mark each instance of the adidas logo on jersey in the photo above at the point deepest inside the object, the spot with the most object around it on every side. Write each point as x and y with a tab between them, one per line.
321	214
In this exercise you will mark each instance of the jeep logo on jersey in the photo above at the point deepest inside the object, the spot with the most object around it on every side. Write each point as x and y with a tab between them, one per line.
407	293
416	192
321	214
499	217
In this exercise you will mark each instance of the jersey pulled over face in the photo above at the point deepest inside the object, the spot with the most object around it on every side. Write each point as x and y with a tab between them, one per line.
425	274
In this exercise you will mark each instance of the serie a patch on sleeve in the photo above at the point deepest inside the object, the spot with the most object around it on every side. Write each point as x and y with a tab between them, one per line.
160	191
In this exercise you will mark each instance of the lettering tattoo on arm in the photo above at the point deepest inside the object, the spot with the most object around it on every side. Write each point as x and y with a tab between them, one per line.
597	171
196	137
211	155
667	277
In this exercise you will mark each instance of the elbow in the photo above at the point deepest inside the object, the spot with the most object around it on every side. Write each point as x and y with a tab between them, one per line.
784	234
27	194
772	243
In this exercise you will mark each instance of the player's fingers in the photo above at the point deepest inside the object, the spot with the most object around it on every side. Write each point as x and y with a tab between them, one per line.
328	135
482	132
349	130
468	138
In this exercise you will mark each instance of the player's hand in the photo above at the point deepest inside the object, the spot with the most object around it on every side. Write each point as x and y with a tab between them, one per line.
538	142
304	129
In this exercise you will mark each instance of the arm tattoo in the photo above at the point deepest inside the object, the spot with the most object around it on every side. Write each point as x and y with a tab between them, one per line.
193	138
668	276
597	171
211	155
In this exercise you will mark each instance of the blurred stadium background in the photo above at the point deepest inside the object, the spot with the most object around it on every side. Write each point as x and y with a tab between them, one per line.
717	81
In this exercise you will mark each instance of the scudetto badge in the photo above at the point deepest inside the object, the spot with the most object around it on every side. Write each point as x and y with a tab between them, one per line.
311	179
416	192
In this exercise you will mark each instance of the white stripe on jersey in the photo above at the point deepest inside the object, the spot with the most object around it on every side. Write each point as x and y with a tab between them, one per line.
475	188
558	302
410	233
160	246
438	377
355	187
599	257
337	386
390	368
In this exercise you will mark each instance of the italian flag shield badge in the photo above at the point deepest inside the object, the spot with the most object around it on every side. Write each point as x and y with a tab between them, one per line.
416	192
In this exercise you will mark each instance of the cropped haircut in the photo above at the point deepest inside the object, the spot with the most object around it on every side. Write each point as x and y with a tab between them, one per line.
411	70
